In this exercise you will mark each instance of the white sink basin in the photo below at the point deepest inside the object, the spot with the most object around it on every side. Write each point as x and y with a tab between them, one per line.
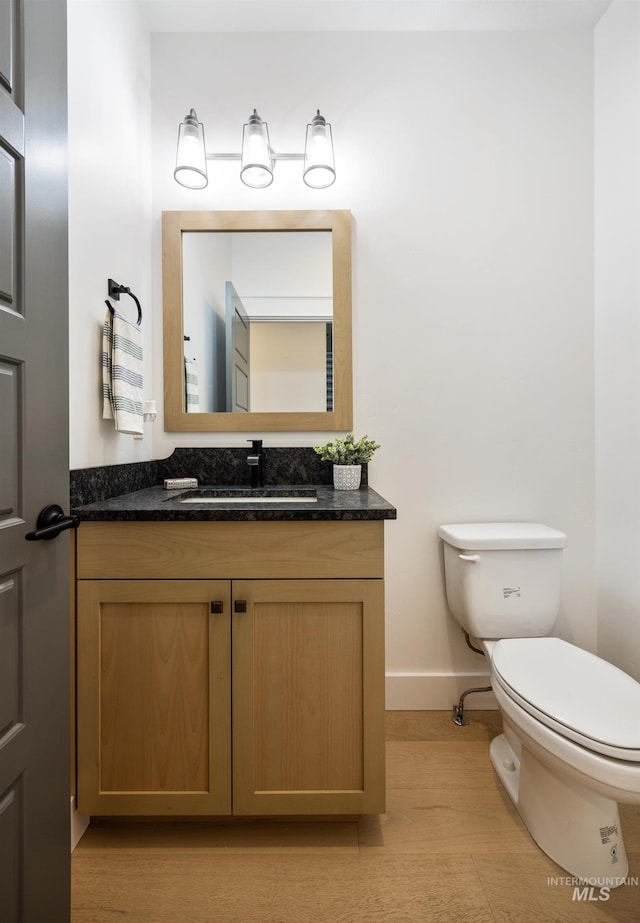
249	495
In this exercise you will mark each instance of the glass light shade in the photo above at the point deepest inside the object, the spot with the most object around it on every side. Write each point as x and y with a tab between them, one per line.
191	159
319	165
257	163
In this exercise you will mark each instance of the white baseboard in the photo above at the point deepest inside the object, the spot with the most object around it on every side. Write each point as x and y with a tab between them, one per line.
436	691
79	824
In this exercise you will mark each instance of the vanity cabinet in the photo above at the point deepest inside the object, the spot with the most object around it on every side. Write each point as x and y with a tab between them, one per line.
153	697
230	668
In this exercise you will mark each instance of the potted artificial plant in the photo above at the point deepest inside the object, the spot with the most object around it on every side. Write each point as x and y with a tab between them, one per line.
347	456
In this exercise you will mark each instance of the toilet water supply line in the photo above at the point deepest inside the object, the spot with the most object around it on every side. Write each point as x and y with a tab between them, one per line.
458	710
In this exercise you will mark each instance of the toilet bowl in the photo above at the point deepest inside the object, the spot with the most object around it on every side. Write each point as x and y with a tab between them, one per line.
563	764
569	752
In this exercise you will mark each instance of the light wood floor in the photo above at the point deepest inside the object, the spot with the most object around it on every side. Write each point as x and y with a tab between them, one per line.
450	848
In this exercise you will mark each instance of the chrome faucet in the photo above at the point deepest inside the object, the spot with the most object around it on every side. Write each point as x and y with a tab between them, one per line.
254	460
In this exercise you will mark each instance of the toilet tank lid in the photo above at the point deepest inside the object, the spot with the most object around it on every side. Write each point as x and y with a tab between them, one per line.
478	536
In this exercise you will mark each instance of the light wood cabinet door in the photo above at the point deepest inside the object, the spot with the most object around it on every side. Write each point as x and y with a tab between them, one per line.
154	697
308	696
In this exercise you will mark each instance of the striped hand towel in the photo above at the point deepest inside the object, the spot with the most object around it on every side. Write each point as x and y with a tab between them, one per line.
122	374
191	389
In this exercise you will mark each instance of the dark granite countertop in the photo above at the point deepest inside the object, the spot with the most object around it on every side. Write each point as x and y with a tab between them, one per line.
158	504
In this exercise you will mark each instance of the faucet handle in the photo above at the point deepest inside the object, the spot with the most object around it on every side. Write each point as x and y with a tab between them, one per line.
256	444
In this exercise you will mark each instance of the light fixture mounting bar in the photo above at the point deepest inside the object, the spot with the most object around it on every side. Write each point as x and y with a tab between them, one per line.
287	156
238	156
223	156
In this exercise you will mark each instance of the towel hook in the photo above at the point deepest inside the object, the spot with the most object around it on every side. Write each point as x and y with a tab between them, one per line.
115	290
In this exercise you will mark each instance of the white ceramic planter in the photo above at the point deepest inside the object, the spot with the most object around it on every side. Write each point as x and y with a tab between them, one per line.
347	477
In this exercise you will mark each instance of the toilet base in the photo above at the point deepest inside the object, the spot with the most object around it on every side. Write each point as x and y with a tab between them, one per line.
576	827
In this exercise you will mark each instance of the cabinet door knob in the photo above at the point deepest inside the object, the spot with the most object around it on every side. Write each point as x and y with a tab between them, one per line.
216	606
240	605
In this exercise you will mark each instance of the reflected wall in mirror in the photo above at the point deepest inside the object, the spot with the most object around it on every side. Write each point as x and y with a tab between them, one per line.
257	321
258	316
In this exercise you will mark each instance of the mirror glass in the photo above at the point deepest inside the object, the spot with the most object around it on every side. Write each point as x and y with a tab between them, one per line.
257	321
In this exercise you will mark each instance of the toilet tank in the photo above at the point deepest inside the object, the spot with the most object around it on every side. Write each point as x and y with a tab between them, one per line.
503	579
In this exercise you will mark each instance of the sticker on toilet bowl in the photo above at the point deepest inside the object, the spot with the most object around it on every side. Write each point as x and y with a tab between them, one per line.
607	832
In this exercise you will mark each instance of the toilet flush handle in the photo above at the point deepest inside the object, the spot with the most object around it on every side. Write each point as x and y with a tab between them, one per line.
474	558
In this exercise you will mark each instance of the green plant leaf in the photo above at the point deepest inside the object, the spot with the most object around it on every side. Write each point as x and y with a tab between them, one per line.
346	450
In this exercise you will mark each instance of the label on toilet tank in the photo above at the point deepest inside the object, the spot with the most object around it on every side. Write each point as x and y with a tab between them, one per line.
509	591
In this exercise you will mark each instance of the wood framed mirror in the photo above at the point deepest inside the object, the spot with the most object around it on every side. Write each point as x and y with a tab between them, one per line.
257	321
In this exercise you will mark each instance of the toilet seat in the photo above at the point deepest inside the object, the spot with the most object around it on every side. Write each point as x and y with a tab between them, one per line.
575	693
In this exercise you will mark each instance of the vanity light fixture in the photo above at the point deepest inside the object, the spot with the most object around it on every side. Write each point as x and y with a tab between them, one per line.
257	159
191	161
319	165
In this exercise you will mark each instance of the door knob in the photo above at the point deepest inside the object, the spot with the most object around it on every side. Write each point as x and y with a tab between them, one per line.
51	522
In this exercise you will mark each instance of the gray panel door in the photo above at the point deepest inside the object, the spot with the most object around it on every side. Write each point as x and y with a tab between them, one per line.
34	593
238	339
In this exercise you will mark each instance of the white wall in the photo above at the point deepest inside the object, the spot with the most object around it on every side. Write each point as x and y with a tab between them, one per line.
466	159
617	319
467	162
207	260
291	264
109	210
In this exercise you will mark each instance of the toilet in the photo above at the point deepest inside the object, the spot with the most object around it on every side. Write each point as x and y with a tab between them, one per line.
569	752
